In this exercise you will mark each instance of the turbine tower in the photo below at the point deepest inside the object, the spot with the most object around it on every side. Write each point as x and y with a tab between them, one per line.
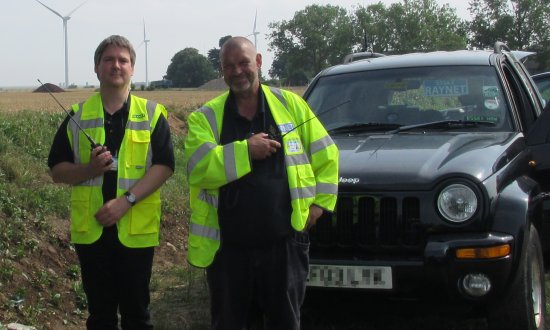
65	19
254	32
145	41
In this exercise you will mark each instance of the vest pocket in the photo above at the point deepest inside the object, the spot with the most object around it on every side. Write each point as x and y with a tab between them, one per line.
139	147
305	175
80	216
144	218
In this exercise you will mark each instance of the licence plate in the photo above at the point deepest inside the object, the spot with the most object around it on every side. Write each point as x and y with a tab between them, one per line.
337	276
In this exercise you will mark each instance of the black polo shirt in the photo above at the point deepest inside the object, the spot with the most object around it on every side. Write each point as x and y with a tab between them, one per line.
255	209
161	144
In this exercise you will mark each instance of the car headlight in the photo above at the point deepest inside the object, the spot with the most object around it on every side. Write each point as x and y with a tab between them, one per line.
457	203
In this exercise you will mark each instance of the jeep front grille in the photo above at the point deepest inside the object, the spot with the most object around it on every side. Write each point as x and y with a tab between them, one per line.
367	226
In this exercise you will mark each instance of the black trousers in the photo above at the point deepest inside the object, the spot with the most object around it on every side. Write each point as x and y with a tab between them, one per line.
116	280
270	281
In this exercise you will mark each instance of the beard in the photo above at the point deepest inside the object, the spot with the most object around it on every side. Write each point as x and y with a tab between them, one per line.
240	85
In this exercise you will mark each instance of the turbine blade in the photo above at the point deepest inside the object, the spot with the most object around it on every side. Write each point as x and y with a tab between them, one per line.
82	4
255	17
53	11
144	35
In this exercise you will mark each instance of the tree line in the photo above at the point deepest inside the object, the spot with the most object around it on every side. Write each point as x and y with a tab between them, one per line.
319	36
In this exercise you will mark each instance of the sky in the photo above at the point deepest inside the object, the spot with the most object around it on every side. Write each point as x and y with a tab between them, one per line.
32	40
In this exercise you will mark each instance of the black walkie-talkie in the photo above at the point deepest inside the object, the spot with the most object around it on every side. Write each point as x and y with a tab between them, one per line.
93	144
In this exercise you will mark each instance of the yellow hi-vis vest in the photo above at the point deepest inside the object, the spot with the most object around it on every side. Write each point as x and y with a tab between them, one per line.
139	227
311	159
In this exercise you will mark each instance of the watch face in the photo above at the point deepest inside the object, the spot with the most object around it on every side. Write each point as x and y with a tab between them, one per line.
130	197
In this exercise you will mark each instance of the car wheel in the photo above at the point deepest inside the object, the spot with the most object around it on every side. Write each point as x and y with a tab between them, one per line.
524	306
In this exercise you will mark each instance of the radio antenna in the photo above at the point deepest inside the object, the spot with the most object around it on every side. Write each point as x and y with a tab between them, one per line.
316	116
92	142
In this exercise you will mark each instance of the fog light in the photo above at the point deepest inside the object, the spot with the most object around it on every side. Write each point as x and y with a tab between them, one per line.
476	285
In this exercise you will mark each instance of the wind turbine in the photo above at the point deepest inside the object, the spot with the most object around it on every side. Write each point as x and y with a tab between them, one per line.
254	32
65	19
145	41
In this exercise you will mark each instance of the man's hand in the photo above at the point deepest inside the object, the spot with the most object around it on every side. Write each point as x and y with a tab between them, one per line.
315	213
112	211
71	173
100	160
260	146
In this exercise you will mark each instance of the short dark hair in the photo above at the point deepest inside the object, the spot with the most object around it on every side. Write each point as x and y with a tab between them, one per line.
118	41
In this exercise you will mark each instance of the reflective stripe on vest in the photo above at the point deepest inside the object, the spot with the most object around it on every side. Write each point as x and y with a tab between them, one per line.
299	159
211	117
198	155
279	95
229	161
228	150
327	188
204	231
75	132
208	199
302	192
320	144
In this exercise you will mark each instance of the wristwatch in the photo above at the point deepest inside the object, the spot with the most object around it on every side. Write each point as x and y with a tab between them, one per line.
131	198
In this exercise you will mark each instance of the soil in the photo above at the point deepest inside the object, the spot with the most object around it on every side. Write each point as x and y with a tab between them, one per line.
47	87
55	260
31	296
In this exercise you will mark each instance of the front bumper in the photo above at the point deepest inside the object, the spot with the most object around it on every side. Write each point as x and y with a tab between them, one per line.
437	273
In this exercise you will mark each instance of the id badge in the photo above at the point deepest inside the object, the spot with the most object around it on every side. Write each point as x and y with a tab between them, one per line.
293	146
114	164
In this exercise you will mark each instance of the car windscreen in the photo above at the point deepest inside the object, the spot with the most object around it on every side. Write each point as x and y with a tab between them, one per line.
412	96
543	84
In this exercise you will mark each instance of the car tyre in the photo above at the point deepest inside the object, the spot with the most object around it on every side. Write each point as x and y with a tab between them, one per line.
524	306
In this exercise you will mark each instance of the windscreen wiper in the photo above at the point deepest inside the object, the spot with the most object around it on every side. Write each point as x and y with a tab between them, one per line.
355	127
445	124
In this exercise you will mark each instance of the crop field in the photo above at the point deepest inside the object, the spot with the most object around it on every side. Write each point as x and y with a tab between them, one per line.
27	100
174	100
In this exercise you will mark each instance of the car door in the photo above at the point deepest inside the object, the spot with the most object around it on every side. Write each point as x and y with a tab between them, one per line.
538	141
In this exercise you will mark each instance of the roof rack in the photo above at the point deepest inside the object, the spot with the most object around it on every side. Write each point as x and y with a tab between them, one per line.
360	56
500	46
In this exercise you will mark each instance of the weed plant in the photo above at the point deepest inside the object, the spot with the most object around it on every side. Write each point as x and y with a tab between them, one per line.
28	198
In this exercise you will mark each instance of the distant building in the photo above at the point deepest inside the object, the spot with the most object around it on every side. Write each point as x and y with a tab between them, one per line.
164	83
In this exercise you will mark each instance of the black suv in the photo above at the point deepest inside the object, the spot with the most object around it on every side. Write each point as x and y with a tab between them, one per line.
444	162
